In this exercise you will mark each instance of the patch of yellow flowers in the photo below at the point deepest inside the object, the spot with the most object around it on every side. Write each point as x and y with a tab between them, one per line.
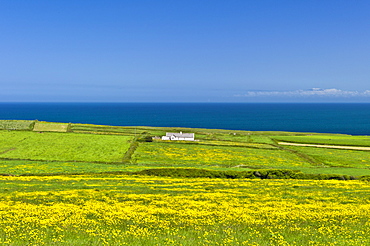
216	155
141	210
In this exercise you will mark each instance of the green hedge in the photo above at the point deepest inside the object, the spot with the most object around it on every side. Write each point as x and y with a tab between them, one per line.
261	174
203	173
365	178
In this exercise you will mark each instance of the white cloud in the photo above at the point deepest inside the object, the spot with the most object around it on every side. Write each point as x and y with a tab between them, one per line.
314	92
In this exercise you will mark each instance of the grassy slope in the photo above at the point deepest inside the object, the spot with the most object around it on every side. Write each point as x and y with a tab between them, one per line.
327	139
105	209
63	146
217	149
129	210
17	124
179	154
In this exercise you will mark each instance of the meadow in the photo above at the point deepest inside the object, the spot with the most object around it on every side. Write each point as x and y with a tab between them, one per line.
99	148
51	146
141	210
330	139
178	154
336	157
80	184
51	127
17	124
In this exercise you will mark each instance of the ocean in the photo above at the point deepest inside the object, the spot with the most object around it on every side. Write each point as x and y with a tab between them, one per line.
350	118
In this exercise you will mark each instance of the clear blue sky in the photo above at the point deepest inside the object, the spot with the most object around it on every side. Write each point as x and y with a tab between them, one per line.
184	51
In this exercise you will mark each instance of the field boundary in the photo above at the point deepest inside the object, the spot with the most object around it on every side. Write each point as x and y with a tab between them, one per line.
325	146
131	150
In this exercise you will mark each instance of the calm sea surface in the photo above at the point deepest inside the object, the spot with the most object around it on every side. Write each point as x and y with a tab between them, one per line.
302	117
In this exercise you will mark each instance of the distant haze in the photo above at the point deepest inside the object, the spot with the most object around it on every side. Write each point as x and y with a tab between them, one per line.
185	51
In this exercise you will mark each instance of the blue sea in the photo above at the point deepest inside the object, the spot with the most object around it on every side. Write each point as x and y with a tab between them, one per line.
351	118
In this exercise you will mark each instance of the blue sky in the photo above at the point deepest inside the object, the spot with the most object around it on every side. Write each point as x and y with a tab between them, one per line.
185	51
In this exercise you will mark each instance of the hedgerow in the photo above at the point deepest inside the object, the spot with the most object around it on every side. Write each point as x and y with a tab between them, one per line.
260	173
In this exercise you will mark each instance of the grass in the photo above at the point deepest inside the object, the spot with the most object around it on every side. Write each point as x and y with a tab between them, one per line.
63	146
50	127
21	167
337	157
17	124
101	208
130	210
179	154
216	150
331	139
235	144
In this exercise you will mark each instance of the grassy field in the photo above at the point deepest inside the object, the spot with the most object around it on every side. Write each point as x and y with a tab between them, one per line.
28	167
50	127
50	146
327	139
337	157
17	124
216	149
179	154
90	186
133	210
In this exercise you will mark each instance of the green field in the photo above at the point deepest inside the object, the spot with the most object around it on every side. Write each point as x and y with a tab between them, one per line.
81	184
30	167
331	139
50	146
17	124
337	157
99	148
138	210
50	127
179	154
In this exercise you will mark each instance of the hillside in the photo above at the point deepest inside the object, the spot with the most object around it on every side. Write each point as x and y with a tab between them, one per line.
32	147
78	184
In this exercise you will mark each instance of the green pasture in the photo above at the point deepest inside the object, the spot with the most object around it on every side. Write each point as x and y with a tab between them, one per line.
94	148
28	167
235	144
17	124
332	139
63	146
135	210
109	185
180	154
50	127
336	157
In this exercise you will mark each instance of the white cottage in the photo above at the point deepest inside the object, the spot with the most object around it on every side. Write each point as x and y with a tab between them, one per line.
179	136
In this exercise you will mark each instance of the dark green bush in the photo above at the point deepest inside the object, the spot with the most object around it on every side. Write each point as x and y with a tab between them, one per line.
145	138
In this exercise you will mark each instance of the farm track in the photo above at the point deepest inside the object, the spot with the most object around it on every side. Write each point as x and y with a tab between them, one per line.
325	146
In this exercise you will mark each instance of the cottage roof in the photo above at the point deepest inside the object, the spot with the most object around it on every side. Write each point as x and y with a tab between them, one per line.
180	135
